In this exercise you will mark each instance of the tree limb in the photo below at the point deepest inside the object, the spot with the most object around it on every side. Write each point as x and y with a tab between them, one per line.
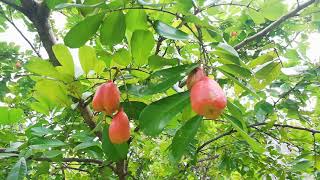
20	32
274	25
313	131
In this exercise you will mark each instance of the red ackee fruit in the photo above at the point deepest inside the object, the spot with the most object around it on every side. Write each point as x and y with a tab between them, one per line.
196	75
107	98
119	129
207	98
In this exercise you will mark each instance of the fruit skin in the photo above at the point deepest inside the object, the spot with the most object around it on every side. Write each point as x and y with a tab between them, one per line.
234	34
207	98
119	129
107	98
196	75
18	64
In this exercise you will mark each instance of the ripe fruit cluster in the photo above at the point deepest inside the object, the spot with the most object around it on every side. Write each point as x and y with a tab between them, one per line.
206	96
107	99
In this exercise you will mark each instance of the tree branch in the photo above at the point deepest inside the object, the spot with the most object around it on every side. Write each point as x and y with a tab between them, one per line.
314	131
274	25
20	32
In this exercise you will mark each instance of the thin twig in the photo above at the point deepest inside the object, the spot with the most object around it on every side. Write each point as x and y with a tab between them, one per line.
273	25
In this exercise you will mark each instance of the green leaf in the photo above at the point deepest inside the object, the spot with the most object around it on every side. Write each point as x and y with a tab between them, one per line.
64	56
265	74
262	71
227	54
42	67
122	57
133	108
113	29
262	59
136	19
236	70
7	155
52	154
42	131
239	83
80	6
234	110
257	147
154	118
10	116
184	5
170	32
273	9
19	170
162	80
46	144
83	31
89	6
53	92
88	59
158	62
86	144
183	137
114	152
53	3
257	17
142	43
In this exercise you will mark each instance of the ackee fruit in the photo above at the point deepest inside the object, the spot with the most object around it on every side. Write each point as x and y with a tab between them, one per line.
207	98
119	129
196	75
107	98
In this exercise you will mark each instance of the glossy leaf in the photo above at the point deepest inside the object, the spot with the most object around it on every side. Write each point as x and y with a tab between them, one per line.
64	57
10	116
83	31
170	32
133	108
158	62
19	170
142	43
114	152
183	137
257	147
162	80
113	29
136	19
154	118
88	59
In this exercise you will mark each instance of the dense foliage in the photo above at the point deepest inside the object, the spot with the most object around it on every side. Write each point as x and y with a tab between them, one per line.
255	49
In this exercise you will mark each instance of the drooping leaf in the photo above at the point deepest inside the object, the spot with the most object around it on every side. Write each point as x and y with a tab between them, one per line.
158	62
162	80
113	29
183	137
122	57
86	144
257	147
88	59
46	144
10	116
236	70
170	32
154	118
133	108
142	43
65	59
114	152
19	170
53	3
43	68
83	31
136	19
